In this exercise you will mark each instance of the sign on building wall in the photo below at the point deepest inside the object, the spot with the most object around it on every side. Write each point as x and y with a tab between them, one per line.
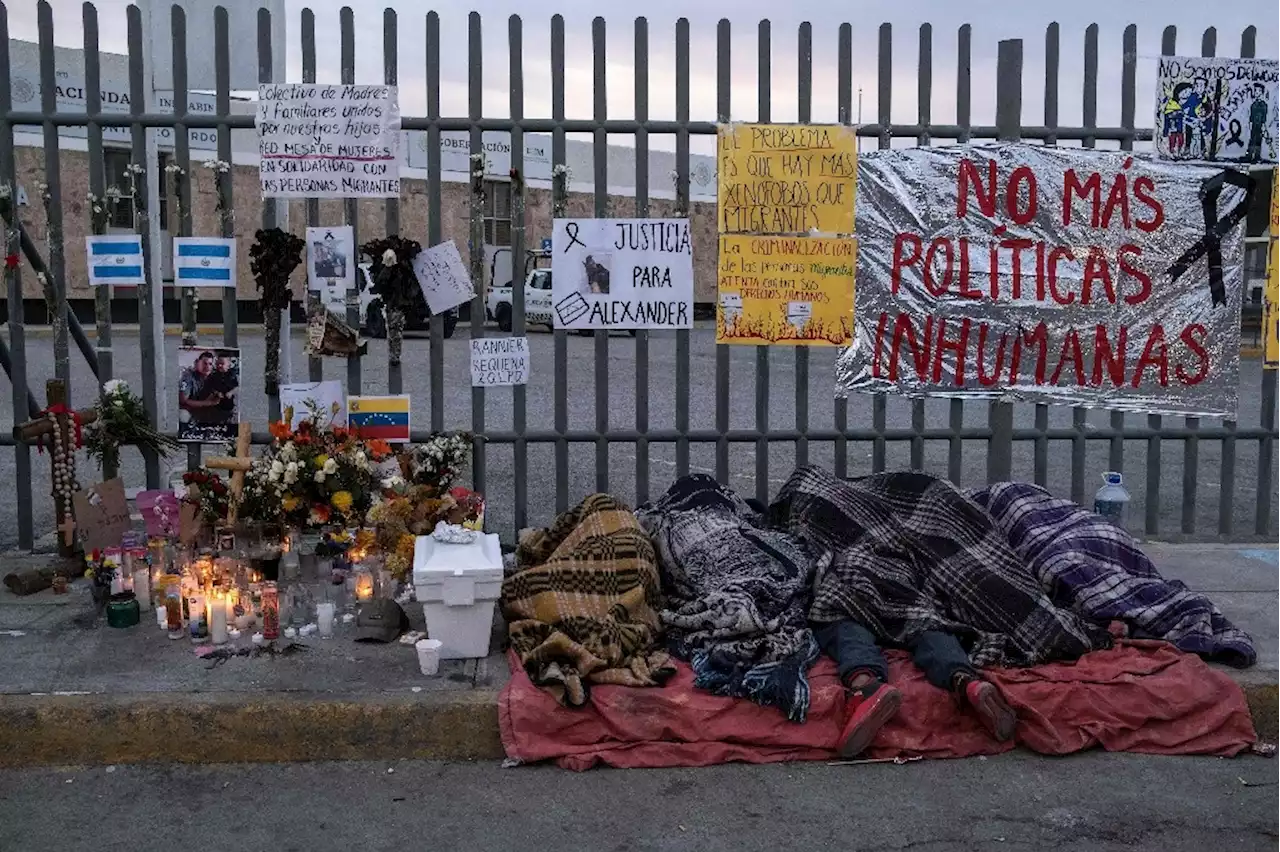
330	141
622	273
787	178
785	290
1216	109
1051	275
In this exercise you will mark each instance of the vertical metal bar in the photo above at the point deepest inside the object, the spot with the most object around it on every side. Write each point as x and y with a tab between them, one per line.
13	296
315	364
519	395
1089	110
435	211
804	76
1009	128
1267	415
138	167
724	106
475	111
56	268
560	341
600	181
764	56
924	94
266	64
391	211
225	181
884	117
1040	464
844	114
98	200
1128	85
182	197
641	55
682	194
955	445
350	206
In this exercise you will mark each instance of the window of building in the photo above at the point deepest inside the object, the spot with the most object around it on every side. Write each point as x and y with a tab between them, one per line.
115	170
497	213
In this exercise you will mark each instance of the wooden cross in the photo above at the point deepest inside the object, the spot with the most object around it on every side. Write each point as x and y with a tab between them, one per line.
68	528
238	465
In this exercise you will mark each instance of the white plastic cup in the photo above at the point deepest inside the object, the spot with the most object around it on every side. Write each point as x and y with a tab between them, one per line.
429	656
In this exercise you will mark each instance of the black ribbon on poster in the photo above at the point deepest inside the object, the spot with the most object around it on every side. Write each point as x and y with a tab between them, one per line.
1215	229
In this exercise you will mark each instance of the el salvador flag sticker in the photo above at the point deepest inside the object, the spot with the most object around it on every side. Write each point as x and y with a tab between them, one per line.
115	259
204	262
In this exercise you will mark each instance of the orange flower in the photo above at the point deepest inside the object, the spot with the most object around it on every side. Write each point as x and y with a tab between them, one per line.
280	430
378	448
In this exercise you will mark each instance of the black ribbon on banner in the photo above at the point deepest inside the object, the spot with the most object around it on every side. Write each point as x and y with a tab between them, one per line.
1215	229
571	231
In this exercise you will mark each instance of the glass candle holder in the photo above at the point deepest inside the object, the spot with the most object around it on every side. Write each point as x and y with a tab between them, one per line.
270	611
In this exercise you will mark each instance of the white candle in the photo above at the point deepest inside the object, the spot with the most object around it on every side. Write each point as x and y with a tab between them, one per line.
324	617
217	620
162	618
290	633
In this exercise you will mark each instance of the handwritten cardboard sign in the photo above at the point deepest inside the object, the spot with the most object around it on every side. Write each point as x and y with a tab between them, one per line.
497	361
102	514
328	141
444	280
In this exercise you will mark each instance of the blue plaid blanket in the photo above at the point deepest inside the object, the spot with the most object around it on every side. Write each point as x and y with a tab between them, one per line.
1087	564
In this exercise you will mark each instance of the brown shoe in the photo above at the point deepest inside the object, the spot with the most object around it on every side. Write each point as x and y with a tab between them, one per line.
993	711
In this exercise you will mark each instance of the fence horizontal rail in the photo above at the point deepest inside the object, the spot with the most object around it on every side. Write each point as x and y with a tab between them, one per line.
869	130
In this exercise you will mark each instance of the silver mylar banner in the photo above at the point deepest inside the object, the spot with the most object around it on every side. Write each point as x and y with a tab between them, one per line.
1067	276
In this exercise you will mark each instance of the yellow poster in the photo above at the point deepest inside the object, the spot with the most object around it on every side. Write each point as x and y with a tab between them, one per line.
1271	295
787	178
785	290
1275	203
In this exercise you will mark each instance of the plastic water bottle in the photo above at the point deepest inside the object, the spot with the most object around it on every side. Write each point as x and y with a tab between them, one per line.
1111	499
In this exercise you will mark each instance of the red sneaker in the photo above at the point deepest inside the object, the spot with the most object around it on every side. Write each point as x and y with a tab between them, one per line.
994	712
871	706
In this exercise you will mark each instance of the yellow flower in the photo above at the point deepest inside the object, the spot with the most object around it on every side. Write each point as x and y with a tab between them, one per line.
289	502
321	459
341	500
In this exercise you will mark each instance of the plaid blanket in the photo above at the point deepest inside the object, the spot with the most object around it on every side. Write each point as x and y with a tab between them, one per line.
737	595
581	605
903	553
1094	567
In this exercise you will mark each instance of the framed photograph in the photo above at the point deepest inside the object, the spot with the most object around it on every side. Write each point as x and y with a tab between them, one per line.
208	394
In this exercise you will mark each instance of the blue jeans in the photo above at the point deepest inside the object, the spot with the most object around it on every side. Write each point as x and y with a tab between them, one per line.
939	655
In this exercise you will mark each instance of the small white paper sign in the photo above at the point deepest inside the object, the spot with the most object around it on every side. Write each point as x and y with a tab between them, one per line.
798	313
325	398
328	141
498	361
442	277
731	305
331	265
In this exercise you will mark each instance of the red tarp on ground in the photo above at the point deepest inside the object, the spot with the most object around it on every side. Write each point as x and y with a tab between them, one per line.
1141	696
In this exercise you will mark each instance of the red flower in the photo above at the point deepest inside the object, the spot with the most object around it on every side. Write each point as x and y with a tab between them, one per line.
11	261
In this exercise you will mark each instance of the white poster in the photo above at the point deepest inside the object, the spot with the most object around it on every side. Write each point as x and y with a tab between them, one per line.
331	265
323	403
328	141
204	262
498	361
443	278
115	259
622	273
1217	108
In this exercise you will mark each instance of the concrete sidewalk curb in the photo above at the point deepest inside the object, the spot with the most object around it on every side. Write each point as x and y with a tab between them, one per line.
48	730
44	730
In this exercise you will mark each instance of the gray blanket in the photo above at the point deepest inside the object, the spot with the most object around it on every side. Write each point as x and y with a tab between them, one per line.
737	594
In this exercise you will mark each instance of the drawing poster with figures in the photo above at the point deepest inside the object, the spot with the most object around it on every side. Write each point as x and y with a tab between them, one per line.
1051	275
622	273
1216	109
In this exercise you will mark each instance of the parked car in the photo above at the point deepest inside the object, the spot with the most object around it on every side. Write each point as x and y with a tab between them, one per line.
373	320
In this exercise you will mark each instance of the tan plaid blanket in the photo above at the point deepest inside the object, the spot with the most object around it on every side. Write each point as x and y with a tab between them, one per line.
582	605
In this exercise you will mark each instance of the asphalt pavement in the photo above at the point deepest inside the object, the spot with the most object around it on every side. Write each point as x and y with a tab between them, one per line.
620	413
1013	803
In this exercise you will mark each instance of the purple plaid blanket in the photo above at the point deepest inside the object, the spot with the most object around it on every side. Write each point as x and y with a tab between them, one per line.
1086	563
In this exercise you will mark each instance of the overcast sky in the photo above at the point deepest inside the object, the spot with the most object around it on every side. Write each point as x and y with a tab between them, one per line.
991	22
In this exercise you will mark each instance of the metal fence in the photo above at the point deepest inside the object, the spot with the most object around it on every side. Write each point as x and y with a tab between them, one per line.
999	439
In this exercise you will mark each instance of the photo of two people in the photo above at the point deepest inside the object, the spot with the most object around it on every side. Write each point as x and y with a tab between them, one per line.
208	394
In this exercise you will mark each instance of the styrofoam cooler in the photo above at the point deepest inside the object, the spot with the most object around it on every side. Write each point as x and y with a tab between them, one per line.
458	585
